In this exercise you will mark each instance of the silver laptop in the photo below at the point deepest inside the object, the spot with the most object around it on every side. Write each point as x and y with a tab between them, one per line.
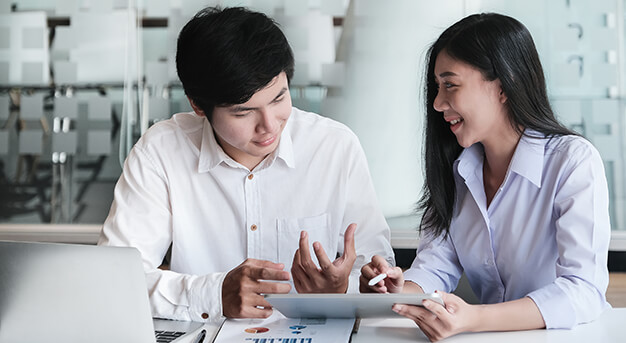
77	293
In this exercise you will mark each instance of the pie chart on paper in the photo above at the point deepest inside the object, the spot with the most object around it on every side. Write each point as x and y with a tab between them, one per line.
257	330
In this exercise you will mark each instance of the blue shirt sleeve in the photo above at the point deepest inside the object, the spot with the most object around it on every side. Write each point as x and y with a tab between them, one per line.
436	265
583	234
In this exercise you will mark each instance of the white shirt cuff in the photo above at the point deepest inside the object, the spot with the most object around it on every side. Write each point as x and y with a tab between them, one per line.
205	297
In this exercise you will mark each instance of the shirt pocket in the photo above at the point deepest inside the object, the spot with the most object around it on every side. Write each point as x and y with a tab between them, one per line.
288	234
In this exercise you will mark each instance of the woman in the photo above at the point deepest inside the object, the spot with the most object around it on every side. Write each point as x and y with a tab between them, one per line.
512	198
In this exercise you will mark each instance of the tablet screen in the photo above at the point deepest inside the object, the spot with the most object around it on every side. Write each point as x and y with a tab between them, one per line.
366	305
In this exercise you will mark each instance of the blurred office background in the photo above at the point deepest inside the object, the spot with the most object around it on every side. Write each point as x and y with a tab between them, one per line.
81	80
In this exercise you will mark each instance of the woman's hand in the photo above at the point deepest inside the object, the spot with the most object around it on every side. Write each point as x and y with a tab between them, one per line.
438	322
393	283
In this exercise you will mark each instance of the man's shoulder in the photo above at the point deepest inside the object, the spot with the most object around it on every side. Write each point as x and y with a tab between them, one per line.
313	124
181	125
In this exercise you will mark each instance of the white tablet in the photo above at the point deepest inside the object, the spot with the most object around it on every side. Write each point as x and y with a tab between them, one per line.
365	305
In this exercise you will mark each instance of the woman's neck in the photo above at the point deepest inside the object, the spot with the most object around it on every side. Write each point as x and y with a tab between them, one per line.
498	154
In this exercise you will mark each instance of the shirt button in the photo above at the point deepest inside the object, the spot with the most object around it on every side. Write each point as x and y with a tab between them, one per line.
253	227
205	316
250	176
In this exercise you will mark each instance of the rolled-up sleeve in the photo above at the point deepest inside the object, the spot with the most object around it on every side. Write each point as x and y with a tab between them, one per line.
582	233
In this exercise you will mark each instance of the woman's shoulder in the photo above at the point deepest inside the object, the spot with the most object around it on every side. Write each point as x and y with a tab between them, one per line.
571	149
568	144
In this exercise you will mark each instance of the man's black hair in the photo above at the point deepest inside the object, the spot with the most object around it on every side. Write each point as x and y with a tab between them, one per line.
224	56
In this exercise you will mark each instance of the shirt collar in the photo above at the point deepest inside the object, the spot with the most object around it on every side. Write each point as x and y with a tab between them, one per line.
527	159
212	154
470	160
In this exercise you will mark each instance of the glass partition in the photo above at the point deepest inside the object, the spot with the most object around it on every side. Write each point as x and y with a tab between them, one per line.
80	81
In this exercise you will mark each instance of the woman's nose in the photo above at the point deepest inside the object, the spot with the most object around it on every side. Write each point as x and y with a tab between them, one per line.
440	103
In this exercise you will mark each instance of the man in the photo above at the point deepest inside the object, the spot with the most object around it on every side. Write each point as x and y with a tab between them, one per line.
239	195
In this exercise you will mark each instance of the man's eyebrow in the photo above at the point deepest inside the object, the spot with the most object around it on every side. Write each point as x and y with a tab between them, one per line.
240	108
282	91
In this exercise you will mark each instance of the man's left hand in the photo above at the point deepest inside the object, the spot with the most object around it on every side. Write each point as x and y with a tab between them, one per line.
332	277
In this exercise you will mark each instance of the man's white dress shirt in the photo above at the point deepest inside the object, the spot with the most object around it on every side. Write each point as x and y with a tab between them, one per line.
179	187
545	234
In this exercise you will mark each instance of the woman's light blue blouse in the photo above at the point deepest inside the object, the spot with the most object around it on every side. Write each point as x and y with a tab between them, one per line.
545	234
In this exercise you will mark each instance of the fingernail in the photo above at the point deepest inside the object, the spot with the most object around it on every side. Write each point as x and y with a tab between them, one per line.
397	308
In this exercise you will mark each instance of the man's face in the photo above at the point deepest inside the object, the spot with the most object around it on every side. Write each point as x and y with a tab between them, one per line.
250	131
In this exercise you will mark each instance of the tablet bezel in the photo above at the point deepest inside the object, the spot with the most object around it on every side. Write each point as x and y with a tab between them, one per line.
333	305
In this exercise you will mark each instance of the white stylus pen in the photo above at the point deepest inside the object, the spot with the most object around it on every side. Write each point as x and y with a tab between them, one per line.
376	279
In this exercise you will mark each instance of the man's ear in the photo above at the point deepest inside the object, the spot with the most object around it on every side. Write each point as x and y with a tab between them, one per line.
195	108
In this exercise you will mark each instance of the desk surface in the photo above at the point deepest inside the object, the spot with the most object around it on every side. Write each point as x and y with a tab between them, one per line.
608	328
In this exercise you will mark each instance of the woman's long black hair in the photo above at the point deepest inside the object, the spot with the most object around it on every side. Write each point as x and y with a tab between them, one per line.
501	48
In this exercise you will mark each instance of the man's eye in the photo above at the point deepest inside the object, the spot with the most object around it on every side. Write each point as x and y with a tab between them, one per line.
279	99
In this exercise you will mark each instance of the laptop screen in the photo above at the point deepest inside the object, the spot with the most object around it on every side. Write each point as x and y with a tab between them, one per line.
72	293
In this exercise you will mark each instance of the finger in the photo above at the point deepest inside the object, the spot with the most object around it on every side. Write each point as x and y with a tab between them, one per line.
368	272
305	255
265	287
323	259
395	278
263	264
380	264
436	309
394	273
423	318
297	271
413	312
349	251
267	274
301	279
255	312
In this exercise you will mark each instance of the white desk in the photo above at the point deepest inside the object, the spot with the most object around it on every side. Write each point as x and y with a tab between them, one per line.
610	327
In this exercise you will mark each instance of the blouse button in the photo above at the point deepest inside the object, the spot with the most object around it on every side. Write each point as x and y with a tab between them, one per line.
205	316
253	227
250	176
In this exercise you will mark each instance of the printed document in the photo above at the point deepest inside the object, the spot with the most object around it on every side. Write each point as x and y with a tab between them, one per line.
279	329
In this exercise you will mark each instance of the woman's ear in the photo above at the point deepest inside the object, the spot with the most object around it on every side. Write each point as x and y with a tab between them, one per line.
503	97
195	108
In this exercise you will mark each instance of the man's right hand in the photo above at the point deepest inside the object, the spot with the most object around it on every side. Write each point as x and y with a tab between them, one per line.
393	283
242	288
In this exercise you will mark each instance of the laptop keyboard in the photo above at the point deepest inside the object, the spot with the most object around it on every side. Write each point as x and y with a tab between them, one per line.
167	336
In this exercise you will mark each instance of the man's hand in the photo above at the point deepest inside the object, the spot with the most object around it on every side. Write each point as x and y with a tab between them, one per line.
332	277
393	283
242	288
